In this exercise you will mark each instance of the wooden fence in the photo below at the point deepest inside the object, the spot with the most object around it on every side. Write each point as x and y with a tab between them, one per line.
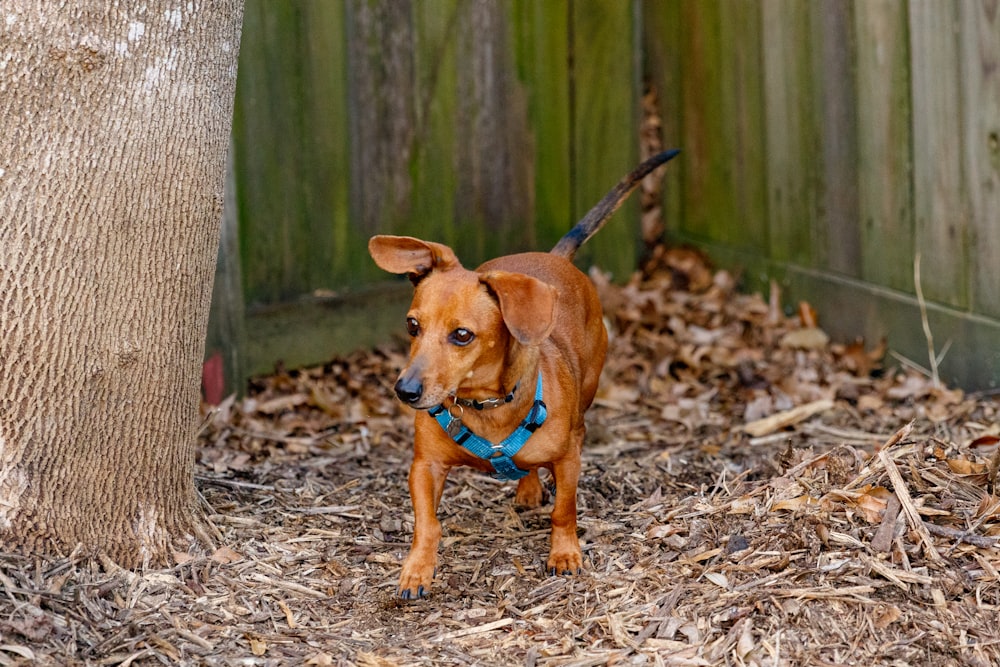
829	143
826	143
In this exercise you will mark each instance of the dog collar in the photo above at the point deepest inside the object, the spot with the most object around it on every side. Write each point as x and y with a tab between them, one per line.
488	403
500	455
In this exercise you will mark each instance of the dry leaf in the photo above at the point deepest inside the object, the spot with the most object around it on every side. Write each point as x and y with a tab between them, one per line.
872	502
743	505
658	532
985	445
181	557
805	339
886	616
282	403
257	644
224	555
965	467
289	619
796	504
870	403
745	644
22	651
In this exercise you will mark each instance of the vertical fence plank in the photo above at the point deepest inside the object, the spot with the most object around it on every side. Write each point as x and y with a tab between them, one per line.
542	56
743	135
324	140
884	143
382	111
432	162
262	128
604	114
662	66
291	173
837	227
792	143
980	58
725	193
494	163
939	189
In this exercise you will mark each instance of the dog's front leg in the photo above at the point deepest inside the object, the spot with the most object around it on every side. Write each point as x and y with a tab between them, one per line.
426	486
565	556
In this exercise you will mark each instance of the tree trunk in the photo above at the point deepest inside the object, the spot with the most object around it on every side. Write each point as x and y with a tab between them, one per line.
115	125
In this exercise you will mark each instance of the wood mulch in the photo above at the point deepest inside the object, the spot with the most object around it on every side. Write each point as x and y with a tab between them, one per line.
752	494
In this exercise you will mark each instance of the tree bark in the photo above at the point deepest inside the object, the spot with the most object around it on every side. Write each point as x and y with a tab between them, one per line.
115	124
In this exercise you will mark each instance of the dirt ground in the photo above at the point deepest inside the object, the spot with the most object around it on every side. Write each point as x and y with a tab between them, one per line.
752	494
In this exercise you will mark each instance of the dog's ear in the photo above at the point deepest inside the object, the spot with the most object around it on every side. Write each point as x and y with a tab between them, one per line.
527	304
416	258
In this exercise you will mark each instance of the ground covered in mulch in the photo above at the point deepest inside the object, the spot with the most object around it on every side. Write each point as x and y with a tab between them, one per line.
752	494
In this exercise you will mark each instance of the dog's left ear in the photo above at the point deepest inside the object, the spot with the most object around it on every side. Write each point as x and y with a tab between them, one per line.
405	254
527	304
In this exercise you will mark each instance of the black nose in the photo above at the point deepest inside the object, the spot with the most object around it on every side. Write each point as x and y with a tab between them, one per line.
409	389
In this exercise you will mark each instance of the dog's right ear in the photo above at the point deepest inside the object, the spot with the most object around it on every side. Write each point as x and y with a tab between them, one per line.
415	258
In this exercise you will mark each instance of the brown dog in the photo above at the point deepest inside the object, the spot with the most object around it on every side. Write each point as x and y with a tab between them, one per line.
504	361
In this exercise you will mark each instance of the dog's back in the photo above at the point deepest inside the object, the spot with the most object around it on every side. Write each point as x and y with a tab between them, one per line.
579	334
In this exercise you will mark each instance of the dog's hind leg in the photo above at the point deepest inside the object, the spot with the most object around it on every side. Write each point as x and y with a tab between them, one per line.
529	491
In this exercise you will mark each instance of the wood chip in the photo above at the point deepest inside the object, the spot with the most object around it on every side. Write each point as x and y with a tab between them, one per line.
776	422
900	489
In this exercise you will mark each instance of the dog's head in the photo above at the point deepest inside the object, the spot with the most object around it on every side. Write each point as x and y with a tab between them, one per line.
462	323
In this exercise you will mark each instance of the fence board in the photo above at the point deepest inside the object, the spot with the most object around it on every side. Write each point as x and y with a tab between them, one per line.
837	220
725	193
226	339
939	189
493	162
432	158
884	135
542	46
382	112
662	48
980	58
604	119
292	179
790	129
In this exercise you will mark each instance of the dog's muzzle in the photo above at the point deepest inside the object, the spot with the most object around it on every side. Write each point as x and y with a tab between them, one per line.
409	389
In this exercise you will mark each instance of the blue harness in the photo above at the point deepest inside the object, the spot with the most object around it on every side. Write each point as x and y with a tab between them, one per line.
500	455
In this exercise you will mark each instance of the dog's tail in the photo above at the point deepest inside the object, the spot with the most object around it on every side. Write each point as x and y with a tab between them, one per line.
595	219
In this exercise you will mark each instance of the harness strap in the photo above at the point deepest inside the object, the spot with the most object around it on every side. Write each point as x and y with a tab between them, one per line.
500	455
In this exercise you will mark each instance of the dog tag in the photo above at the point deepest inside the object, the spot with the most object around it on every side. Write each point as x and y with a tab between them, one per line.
454	427
456	412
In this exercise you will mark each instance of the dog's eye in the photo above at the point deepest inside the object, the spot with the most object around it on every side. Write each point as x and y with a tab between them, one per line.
461	337
412	326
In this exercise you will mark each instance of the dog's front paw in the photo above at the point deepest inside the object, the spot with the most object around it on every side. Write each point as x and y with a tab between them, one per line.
416	577
565	562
